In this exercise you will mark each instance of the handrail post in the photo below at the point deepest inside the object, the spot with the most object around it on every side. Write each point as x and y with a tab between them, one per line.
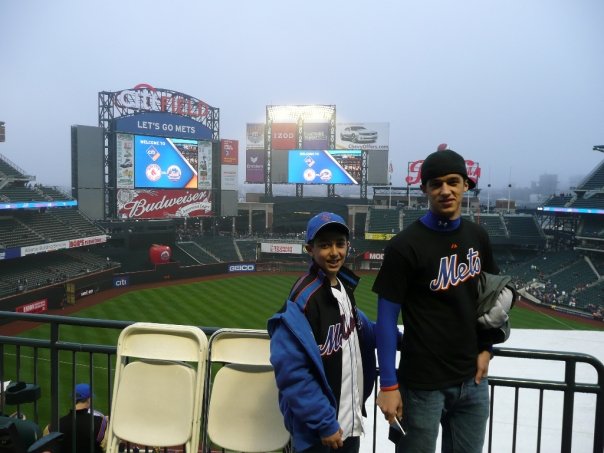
599	422
54	376
568	406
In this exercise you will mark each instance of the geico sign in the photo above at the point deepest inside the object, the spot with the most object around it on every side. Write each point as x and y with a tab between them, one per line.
242	267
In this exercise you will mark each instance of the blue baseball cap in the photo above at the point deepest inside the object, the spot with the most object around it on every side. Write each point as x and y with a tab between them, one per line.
323	219
82	392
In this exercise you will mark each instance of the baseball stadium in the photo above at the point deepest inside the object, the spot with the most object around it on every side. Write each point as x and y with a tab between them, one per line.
153	278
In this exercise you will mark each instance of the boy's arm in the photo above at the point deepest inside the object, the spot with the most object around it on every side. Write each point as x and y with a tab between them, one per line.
387	334
299	386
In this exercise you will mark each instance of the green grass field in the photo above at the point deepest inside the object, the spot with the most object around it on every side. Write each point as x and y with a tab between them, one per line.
244	301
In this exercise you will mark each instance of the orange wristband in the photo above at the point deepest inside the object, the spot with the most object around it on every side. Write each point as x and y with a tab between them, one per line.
389	388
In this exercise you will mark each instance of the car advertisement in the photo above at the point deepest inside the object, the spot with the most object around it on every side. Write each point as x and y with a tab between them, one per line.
254	166
315	136
165	163
255	136
369	136
284	136
324	166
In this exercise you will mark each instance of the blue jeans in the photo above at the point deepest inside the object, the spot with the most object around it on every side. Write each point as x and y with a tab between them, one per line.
351	445
462	410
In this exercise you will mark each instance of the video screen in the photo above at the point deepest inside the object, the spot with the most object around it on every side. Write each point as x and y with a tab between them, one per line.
324	166
165	163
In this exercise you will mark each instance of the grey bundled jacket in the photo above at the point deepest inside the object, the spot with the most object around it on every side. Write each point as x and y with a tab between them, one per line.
496	297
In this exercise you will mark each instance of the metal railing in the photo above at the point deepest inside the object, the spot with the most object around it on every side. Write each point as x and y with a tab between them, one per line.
17	363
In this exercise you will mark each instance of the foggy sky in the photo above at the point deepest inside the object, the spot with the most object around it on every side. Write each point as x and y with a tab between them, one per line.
517	86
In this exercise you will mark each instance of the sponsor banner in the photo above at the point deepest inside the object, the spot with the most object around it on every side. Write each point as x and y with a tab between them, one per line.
162	204
125	161
414	171
166	124
228	177
255	136
254	166
324	166
38	204
284	136
87	291
243	267
39	306
204	166
43	248
10	253
121	281
272	247
315	136
379	236
373	256
371	136
229	152
83	242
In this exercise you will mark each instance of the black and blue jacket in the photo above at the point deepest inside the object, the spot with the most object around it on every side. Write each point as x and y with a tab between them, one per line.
309	385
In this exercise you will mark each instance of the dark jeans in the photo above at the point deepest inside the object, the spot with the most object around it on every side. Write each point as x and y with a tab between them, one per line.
462	410
351	445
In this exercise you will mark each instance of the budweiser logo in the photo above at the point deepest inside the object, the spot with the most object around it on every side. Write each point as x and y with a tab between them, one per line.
146	205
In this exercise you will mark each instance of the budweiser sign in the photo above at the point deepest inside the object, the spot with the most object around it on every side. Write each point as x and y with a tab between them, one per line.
161	204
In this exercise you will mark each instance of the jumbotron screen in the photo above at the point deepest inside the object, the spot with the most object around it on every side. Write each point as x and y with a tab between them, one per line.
324	166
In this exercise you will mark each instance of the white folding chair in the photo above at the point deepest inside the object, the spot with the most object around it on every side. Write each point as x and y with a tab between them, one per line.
158	386
241	403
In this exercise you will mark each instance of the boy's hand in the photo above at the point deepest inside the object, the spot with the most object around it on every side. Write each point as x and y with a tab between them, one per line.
482	366
334	441
391	404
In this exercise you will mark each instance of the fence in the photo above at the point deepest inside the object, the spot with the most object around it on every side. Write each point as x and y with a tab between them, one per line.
53	364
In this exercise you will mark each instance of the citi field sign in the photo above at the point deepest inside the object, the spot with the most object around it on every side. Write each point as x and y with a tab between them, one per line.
145	98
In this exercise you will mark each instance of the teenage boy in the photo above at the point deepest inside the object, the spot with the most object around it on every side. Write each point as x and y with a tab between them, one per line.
323	347
430	272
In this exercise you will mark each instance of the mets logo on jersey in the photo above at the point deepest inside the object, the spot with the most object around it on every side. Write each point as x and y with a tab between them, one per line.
452	273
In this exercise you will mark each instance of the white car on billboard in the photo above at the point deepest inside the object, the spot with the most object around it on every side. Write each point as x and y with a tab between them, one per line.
358	134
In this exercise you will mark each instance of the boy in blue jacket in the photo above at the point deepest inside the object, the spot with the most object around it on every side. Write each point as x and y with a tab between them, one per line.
322	347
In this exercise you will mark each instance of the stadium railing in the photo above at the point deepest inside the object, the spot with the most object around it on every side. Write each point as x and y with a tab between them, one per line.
24	359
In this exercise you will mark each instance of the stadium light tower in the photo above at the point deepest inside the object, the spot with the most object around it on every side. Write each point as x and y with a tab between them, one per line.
2	131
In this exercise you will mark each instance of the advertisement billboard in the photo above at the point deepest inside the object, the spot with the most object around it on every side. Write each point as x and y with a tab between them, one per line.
228	177
229	152
125	161
324	166
254	166
369	136
315	136
162	204
414	172
284	136
255	136
204	166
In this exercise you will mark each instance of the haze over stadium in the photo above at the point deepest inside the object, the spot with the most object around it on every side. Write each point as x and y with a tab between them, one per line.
514	86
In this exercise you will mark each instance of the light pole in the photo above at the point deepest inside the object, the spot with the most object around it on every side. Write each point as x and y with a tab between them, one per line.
509	195
488	197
